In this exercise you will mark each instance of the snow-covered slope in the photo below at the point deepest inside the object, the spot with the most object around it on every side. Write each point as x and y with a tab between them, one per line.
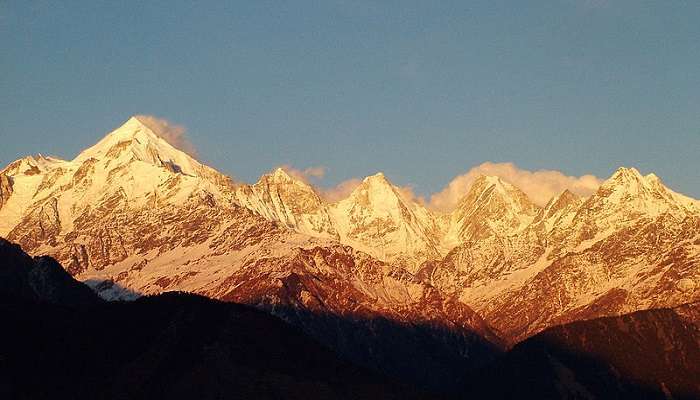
377	219
374	218
491	208
131	168
293	203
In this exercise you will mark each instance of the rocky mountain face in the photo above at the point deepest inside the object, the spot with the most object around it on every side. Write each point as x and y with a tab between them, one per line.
651	354
133	212
375	218
291	202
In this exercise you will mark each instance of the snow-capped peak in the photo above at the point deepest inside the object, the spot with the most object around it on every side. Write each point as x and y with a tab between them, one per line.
625	178
280	176
286	186
563	200
280	197
630	193
486	189
31	165
560	209
377	192
379	220
135	141
377	178
492	206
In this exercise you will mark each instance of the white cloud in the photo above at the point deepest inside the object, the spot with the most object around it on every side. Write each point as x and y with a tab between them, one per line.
174	134
539	185
307	174
339	191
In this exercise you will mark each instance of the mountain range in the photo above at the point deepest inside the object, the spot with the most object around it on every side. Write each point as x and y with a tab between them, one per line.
133	215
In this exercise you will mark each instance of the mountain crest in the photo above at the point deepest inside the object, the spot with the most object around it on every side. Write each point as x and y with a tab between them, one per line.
563	200
377	192
30	165
491	207
560	209
280	175
135	141
493	190
280	197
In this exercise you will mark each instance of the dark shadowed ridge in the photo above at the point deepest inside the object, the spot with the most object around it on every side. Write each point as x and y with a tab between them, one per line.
40	279
652	354
431	356
174	345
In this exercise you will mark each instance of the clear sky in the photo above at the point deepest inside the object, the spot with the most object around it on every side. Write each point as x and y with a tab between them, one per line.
422	91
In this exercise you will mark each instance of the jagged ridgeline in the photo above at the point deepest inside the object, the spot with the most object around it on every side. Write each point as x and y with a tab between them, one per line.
133	215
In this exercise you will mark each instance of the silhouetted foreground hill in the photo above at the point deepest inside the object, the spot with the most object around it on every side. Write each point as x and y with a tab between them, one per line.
39	279
653	354
174	345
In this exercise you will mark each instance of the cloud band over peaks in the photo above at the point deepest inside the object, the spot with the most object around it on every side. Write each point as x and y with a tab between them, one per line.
540	186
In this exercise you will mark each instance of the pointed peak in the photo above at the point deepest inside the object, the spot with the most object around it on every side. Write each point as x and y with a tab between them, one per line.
568	195
486	188
279	175
483	182
486	182
378	185
652	178
133	128
379	177
488	179
627	173
624	178
562	200
134	119
134	140
31	165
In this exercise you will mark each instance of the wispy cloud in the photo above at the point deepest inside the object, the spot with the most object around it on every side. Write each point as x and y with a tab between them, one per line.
174	134
308	175
312	176
540	185
339	191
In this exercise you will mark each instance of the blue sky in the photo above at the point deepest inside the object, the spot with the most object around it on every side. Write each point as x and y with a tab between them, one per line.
423	91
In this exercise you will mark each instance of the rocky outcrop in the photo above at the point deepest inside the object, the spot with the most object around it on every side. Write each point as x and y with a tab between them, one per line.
5	189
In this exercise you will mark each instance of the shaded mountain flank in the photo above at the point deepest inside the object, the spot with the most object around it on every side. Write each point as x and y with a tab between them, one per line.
65	342
61	341
652	354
